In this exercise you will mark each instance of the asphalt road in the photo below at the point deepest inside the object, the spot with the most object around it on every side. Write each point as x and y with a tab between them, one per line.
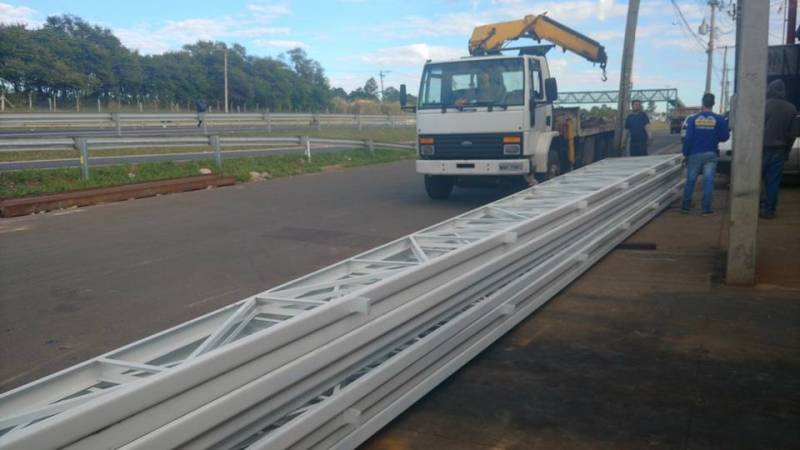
80	282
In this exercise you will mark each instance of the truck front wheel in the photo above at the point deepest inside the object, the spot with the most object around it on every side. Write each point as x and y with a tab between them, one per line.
438	187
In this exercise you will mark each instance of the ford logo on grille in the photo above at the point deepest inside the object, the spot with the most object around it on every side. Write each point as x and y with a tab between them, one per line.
466	143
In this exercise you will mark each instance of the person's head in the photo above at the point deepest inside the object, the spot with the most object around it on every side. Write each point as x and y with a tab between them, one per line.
776	89
636	105
708	101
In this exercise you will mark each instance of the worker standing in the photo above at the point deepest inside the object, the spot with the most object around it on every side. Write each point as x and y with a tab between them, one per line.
637	130
704	131
779	135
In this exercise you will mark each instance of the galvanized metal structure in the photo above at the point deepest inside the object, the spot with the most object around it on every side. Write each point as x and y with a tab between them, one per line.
326	360
670	96
217	147
268	121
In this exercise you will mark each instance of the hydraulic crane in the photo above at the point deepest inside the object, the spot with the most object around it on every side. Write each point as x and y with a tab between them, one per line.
490	39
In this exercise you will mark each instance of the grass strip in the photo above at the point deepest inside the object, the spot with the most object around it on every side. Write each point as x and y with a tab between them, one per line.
21	183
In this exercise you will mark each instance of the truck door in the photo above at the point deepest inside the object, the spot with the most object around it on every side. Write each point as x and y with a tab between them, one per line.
538	107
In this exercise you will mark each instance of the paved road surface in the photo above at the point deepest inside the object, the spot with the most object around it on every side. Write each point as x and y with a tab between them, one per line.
80	282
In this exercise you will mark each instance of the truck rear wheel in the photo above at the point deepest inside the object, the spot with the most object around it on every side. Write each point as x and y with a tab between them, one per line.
438	187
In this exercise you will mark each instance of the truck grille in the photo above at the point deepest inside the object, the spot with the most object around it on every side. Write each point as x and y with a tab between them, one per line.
469	146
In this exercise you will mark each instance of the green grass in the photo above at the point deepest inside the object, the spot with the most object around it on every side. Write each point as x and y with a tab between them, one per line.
22	183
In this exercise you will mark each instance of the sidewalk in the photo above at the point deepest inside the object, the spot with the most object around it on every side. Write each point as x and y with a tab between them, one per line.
649	349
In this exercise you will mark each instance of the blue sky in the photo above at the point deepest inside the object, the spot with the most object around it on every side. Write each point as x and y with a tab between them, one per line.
355	39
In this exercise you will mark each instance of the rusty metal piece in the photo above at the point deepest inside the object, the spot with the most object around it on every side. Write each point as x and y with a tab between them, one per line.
85	197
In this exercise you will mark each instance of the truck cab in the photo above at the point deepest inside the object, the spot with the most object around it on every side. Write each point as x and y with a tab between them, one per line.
484	120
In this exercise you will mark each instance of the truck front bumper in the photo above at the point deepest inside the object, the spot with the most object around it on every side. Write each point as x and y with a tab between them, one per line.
475	167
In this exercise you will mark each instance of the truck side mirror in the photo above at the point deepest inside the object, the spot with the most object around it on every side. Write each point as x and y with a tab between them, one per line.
403	96
551	89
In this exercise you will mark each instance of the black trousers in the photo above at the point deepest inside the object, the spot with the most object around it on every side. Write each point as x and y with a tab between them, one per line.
638	148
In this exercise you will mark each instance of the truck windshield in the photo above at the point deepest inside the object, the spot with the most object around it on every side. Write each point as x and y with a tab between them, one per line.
493	82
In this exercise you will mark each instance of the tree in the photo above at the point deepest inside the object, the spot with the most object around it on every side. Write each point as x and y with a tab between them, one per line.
371	87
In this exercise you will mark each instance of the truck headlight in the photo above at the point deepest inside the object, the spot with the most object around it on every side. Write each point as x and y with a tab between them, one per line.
426	149
511	149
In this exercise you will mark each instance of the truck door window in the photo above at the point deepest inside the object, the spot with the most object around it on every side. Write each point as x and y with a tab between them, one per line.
536	80
432	87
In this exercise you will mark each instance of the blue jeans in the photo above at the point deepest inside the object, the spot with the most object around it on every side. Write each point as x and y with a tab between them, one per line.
707	164
771	172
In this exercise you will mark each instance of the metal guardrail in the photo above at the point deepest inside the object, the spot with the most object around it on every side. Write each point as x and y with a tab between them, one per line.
215	143
268	121
326	360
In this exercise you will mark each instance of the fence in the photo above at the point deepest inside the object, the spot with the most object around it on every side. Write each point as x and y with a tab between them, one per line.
119	121
240	146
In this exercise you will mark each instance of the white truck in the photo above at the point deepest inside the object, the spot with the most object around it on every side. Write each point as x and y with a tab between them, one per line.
489	118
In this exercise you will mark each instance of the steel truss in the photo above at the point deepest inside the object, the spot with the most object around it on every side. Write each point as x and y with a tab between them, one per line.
326	360
597	97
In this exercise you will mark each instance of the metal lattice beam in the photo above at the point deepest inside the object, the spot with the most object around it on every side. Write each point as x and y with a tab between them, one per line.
597	97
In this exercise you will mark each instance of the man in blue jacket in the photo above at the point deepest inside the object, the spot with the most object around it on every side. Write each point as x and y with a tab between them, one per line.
704	131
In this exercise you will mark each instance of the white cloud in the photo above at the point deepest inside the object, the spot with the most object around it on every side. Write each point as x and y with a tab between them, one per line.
280	44
409	55
268	11
153	39
10	14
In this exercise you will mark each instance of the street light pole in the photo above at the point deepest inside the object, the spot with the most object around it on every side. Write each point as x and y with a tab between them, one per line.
382	74
710	64
225	74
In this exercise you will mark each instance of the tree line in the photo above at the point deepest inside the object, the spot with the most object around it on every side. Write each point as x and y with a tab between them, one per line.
73	63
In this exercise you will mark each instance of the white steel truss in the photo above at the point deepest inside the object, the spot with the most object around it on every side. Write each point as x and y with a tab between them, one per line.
266	370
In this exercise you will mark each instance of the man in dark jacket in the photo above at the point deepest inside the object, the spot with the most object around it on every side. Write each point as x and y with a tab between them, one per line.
779	135
637	128
704	131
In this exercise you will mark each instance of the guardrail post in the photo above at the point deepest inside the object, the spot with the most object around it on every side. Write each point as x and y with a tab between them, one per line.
202	119
268	119
117	122
370	144
391	120
318	121
358	117
83	147
306	141
214	142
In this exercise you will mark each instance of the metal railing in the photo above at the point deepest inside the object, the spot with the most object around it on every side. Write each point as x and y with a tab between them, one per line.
216	144
267	120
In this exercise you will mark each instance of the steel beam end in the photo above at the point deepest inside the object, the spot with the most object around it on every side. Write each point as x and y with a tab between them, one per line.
510	237
352	416
582	257
508	309
360	305
625	226
624	185
583	204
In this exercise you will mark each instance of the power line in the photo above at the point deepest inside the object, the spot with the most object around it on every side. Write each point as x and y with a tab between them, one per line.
686	24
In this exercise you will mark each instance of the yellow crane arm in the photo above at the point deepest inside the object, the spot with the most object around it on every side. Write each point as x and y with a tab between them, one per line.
490	38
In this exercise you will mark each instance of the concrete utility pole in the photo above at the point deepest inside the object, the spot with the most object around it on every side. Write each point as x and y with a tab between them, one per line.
625	74
225	73
723	95
710	65
791	22
752	36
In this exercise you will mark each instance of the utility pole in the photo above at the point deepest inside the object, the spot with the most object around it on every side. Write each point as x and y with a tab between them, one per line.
791	22
752	36
625	74
382	74
723	95
710	65
225	73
